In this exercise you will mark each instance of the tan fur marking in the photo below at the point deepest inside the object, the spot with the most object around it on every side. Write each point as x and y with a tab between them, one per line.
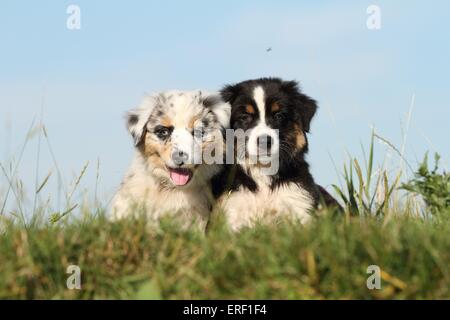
300	139
249	109
192	122
155	152
166	122
275	107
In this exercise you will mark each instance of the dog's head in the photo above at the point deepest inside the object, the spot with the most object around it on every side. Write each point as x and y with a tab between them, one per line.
275	115
173	132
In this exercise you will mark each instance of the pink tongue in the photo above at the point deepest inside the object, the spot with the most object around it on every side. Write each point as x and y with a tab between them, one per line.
179	178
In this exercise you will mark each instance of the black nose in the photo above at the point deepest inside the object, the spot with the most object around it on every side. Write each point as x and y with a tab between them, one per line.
264	142
179	157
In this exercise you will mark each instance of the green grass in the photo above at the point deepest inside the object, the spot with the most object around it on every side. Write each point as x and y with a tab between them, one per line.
402	228
327	259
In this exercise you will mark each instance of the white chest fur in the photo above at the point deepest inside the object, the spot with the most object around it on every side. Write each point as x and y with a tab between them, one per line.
141	194
244	208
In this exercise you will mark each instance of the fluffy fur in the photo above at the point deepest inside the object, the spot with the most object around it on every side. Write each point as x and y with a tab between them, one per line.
170	131
268	109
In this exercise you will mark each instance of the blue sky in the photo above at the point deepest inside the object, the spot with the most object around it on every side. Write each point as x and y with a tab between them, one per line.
82	81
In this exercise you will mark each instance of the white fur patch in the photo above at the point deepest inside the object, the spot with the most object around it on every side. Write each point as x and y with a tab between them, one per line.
260	130
244	208
141	193
258	97
221	109
142	113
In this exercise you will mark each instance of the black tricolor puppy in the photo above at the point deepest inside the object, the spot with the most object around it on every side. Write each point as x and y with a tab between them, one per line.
276	117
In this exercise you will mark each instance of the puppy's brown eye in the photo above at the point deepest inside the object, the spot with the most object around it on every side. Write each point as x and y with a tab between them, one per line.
246	117
163	132
278	116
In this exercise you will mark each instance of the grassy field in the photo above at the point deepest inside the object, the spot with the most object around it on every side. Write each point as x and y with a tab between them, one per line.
327	259
401	228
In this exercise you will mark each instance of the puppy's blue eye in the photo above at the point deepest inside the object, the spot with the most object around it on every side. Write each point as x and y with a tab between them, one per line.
163	132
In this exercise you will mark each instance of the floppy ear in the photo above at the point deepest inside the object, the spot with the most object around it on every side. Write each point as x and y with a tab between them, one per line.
307	107
229	93
137	119
219	107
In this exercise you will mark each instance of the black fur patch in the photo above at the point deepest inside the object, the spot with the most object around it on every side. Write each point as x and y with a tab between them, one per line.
133	119
210	101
